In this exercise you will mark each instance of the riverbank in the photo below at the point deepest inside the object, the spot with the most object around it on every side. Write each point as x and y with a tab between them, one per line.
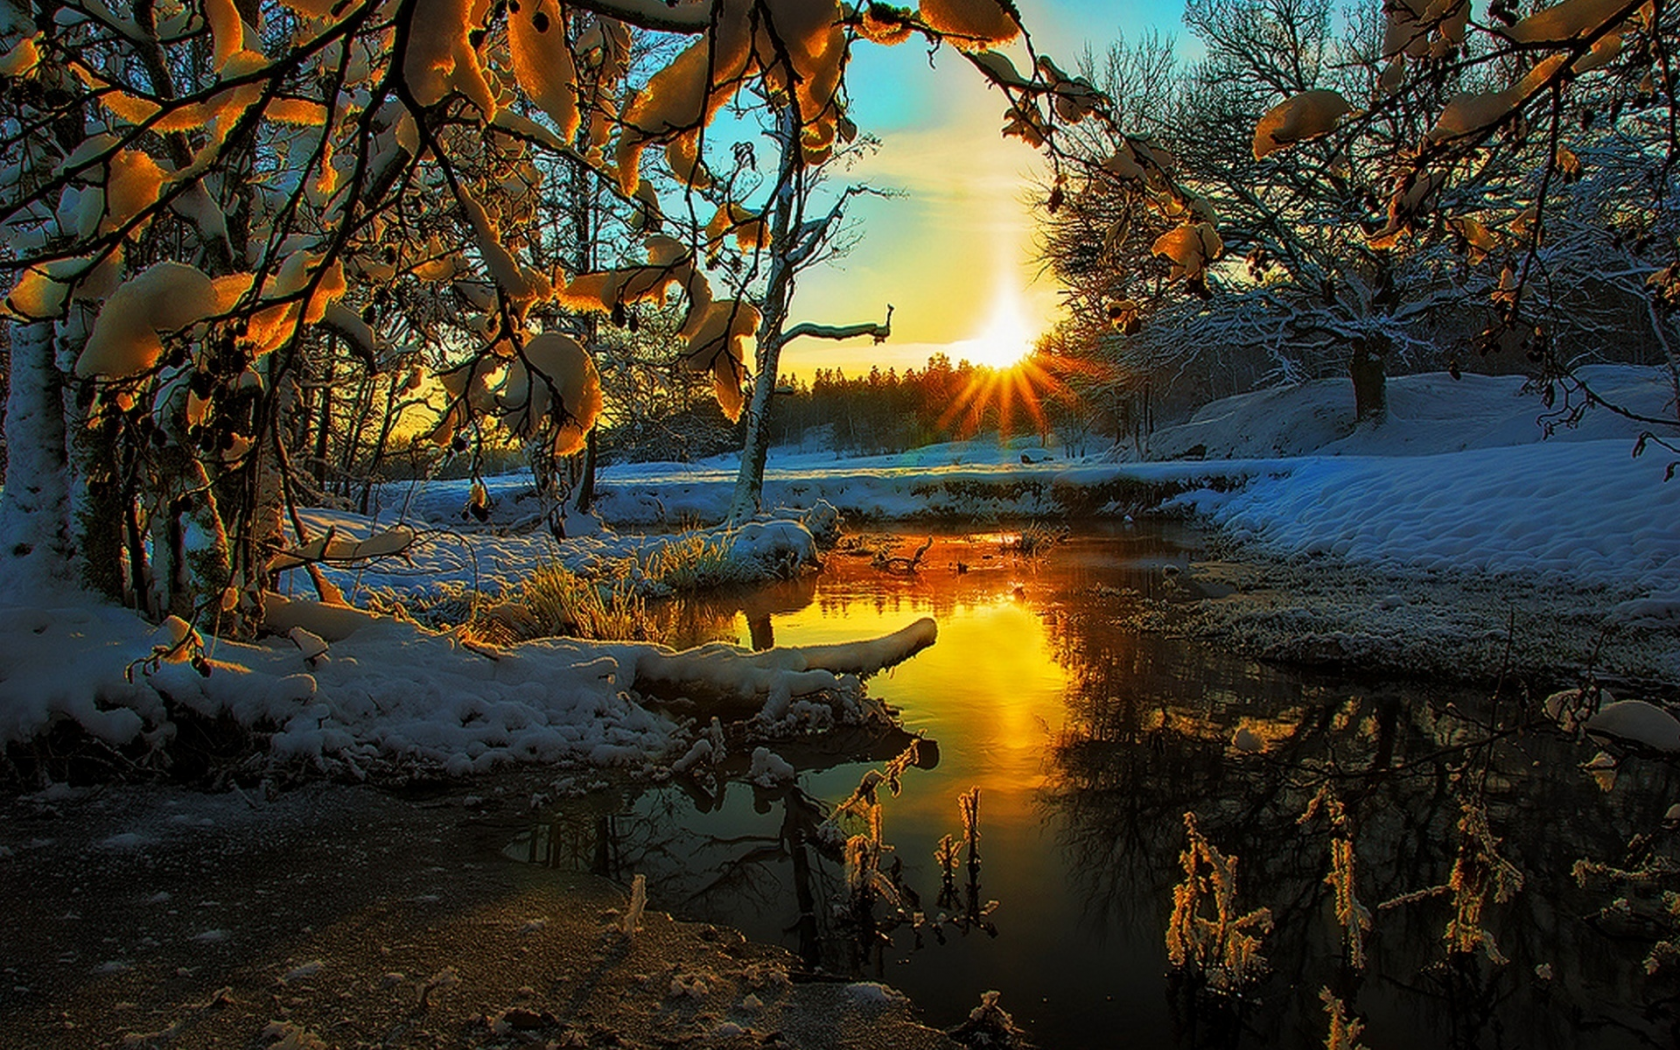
346	916
1477	527
1463	627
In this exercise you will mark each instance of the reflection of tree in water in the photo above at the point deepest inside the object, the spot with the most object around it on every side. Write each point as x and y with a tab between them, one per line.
705	859
1149	738
711	616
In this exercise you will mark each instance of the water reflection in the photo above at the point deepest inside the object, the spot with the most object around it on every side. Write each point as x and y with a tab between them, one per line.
1089	742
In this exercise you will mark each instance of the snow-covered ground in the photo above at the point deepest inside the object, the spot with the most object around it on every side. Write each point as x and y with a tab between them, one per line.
1461	476
1456	482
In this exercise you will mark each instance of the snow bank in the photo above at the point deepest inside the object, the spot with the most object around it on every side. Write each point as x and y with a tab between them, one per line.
1574	513
388	691
978	480
1226	443
492	559
1428	414
1461	476
391	692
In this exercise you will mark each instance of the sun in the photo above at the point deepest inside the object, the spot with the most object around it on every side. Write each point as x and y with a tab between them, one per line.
1007	338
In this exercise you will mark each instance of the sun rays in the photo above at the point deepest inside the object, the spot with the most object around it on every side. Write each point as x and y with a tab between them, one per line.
1012	397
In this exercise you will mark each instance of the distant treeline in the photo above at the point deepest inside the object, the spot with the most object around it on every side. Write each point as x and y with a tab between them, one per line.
886	411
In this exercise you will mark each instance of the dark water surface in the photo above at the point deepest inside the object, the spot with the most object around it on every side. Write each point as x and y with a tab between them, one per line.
1089	742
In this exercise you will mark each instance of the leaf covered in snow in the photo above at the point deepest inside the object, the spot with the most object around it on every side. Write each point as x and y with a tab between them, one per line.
1301	117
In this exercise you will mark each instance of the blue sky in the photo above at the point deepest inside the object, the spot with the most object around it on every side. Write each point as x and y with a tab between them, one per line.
953	253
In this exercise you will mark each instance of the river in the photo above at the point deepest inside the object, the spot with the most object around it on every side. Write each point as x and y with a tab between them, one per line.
1089	740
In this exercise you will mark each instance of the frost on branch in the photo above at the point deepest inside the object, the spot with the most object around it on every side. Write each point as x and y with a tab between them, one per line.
670	264
521	284
216	114
469	387
23	57
1420	29
543	62
884	24
126	336
1567	22
227	31
301	292
1189	249
132	186
1205	933
1075	98
682	98
797	45
1410	199
41	291
747	227
440	58
1472	112
329	547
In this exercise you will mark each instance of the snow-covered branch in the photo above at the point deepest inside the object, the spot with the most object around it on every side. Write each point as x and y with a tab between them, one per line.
879	332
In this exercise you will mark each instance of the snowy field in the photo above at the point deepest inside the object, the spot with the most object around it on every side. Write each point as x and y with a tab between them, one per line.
1456	481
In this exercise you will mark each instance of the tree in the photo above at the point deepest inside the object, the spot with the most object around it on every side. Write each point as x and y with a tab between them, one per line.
220	209
213	202
1364	217
800	243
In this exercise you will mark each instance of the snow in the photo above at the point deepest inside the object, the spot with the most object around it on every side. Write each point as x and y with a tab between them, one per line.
871	993
1427	414
769	769
396	692
1584	513
1638	722
127	840
125	342
1457	480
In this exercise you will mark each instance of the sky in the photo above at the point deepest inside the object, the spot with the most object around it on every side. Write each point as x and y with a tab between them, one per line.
953	251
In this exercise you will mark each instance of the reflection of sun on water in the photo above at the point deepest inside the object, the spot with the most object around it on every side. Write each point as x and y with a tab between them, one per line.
988	691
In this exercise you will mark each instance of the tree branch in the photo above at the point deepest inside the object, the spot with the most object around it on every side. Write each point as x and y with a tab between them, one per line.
879	332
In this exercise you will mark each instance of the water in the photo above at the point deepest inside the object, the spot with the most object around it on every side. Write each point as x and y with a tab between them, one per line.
1089	740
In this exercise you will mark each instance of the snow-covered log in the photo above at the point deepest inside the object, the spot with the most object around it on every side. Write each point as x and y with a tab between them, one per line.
282	615
722	676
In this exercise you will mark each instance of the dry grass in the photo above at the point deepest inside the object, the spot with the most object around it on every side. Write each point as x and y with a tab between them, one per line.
693	563
554	601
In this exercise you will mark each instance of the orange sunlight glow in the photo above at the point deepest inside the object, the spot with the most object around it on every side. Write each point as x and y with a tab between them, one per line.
1016	376
1002	394
1007	338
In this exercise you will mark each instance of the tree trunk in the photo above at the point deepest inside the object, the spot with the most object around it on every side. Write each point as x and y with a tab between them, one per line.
323	435
191	554
755	451
35	537
1370	389
787	209
586	484
586	208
